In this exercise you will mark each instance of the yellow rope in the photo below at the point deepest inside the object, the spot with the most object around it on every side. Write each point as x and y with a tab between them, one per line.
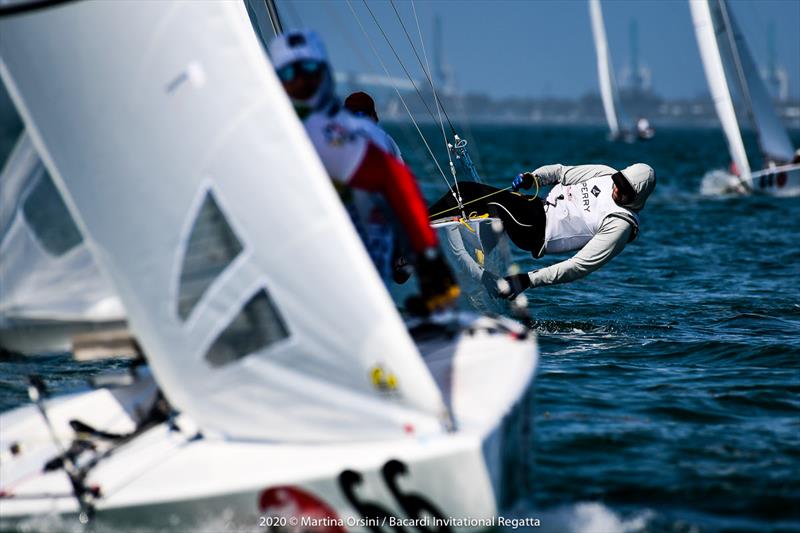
535	179
467	203
472	216
464	222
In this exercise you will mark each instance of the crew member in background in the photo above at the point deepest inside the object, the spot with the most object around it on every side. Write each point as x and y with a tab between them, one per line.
362	105
368	212
644	130
591	208
354	160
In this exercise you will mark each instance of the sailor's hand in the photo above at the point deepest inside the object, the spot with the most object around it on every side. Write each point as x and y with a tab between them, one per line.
490	282
401	270
522	181
438	288
511	286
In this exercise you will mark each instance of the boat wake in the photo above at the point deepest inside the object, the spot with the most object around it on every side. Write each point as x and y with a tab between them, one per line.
720	183
588	517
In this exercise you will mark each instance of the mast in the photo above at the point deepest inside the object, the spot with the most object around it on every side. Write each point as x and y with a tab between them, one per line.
736	59
774	142
636	80
710	42
274	18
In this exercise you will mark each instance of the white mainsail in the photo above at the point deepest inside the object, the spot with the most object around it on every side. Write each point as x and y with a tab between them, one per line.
181	159
605	71
773	138
46	270
711	47
727	59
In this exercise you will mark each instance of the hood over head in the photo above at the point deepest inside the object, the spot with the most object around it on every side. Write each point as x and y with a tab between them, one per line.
643	180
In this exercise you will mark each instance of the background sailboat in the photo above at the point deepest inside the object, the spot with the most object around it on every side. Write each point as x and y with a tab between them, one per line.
727	62
51	288
618	124
288	391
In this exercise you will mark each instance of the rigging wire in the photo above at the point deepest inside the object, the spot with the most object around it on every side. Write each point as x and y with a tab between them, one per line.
367	64
439	105
458	100
498	191
400	61
427	70
273	19
456	193
400	96
358	51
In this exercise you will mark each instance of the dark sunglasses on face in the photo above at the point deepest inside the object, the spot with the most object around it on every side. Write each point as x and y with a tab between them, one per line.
625	190
308	66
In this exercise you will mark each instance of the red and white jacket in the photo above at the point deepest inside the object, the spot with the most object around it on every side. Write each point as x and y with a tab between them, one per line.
354	157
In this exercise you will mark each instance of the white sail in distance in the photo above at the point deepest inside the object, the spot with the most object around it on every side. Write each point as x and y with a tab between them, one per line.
605	71
772	135
711	49
184	164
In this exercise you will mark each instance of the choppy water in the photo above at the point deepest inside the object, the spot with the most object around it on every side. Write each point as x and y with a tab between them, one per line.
667	394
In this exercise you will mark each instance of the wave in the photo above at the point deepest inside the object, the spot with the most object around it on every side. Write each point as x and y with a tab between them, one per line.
721	183
585	517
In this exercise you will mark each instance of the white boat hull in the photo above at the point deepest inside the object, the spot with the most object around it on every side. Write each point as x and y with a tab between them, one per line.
164	480
779	183
172	475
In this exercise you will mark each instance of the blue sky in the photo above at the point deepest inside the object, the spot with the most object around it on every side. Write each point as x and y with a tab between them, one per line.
544	47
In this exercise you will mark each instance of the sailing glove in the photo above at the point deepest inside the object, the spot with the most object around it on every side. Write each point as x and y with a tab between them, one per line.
522	181
438	288
514	285
490	283
401	270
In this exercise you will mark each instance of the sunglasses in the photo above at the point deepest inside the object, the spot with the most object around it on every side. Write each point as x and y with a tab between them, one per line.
308	67
627	194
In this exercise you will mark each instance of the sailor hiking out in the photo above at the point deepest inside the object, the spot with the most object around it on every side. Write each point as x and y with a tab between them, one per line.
358	158
591	208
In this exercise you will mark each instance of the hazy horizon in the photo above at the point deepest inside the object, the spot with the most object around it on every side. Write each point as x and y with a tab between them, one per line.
544	48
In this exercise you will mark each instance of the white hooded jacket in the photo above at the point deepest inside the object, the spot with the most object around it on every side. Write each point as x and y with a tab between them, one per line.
608	228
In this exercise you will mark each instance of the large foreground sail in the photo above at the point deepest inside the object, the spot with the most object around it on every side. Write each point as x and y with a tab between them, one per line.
183	163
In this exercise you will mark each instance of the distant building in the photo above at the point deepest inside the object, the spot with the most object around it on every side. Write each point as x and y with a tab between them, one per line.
635	77
443	75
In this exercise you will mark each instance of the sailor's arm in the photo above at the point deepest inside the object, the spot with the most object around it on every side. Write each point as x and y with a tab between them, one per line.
563	174
550	174
384	173
609	241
